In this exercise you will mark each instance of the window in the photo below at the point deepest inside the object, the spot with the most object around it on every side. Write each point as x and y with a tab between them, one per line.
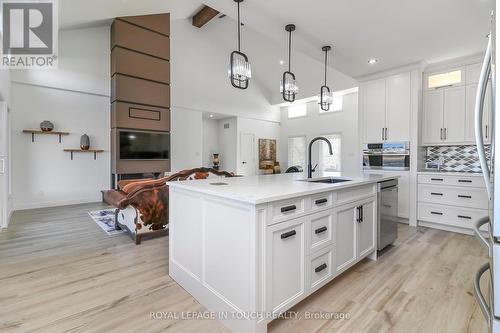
329	162
336	105
297	151
444	79
297	110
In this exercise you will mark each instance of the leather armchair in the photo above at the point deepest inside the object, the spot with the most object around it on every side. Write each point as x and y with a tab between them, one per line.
142	204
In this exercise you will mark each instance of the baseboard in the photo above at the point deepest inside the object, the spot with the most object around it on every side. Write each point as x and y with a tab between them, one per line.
34	205
445	227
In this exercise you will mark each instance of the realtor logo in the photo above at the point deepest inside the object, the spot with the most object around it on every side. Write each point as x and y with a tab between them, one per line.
29	34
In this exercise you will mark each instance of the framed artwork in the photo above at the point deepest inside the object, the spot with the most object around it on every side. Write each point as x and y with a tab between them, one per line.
267	153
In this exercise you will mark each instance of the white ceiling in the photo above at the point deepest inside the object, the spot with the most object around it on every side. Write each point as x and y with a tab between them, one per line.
397	32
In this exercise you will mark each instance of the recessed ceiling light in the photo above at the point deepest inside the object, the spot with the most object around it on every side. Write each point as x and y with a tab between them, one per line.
211	116
281	62
372	61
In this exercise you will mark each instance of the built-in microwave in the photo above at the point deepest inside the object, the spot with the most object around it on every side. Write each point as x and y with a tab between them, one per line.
386	155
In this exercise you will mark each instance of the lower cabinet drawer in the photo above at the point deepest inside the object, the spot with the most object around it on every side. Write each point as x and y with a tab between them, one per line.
455	196
453	180
454	216
320	268
286	209
319	230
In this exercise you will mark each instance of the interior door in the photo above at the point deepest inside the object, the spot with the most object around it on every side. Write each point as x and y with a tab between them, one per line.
247	155
433	116
454	114
398	107
374	110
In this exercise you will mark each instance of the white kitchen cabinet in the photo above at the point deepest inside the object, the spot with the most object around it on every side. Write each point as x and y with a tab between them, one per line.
345	235
454	115
374	105
386	108
286	243
472	73
366	228
432	131
354	231
398	92
444	116
469	114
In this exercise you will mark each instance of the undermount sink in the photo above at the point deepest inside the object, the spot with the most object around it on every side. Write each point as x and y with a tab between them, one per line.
331	180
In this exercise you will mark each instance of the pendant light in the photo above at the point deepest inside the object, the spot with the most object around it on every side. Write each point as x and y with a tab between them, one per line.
288	84
325	96
239	68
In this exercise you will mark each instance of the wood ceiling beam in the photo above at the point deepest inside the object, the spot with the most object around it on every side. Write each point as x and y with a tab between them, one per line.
203	16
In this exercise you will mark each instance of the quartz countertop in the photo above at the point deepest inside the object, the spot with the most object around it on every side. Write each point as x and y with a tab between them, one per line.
451	173
267	188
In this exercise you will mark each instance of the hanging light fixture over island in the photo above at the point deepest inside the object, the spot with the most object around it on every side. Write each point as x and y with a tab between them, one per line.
239	71
325	95
288	84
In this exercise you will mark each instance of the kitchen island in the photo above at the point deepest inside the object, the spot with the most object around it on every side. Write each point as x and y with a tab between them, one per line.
249	248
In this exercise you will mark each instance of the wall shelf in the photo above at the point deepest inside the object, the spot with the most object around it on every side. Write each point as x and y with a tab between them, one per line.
78	150
33	132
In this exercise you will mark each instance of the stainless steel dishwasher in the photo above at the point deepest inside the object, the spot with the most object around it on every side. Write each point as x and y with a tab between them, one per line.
387	227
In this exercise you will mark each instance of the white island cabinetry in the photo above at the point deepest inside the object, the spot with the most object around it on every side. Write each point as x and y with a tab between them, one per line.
259	245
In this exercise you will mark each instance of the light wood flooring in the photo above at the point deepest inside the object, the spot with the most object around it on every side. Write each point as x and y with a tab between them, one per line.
59	272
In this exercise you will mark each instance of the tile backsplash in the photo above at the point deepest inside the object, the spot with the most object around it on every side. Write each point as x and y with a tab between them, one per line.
456	158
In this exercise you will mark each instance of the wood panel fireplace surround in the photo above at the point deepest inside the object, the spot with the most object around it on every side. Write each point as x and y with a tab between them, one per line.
140	93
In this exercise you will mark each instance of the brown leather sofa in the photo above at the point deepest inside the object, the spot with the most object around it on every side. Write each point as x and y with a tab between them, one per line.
142	204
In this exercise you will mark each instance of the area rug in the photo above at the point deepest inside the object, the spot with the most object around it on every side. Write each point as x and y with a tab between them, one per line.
105	218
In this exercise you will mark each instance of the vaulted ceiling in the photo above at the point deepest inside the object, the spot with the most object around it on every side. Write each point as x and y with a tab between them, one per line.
396	32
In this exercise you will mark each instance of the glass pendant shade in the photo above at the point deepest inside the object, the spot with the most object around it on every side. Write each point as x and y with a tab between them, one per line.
240	70
289	87
325	98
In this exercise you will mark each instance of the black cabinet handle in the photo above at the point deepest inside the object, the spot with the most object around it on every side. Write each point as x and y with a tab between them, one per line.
320	230
435	193
288	208
437	179
465	181
321	201
464	217
358	213
464	196
436	213
288	234
320	268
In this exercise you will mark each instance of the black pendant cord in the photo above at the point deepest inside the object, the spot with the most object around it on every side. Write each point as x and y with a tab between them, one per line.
326	61
289	50
239	43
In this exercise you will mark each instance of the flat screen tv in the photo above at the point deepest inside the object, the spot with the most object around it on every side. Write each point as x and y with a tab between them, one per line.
144	145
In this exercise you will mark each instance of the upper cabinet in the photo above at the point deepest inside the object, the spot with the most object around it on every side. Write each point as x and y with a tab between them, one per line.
386	107
448	108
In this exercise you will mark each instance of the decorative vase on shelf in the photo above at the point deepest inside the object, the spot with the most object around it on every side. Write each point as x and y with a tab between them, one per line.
46	126
84	142
276	167
216	161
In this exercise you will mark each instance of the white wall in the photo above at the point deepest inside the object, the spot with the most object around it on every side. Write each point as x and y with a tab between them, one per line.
185	139
44	175
210	140
316	124
261	129
75	98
